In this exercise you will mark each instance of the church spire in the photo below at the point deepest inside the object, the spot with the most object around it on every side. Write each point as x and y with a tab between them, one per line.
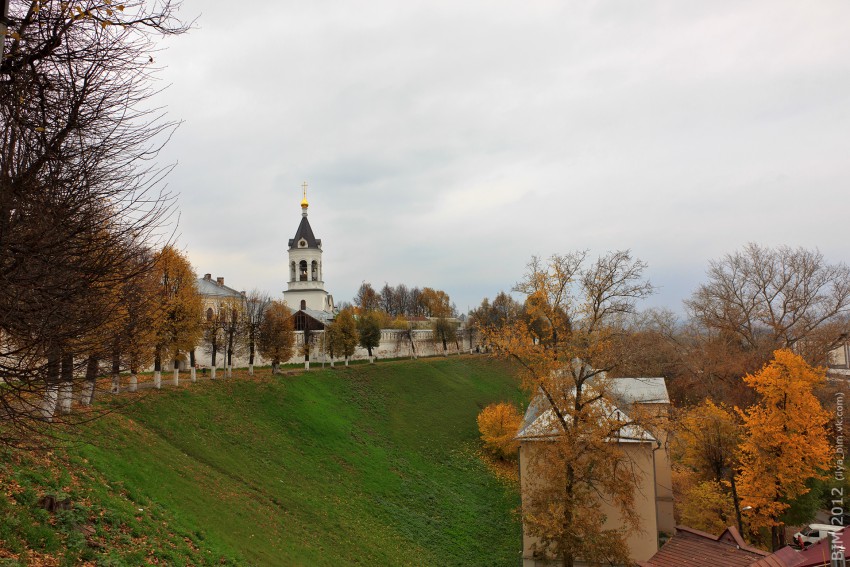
304	203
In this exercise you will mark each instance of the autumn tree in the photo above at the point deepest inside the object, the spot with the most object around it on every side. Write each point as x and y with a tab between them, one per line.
503	310
707	439
577	305
211	334
444	332
179	328
776	298
367	298
137	314
785	441
498	425
232	326
276	334
256	304
436	303
341	336
369	330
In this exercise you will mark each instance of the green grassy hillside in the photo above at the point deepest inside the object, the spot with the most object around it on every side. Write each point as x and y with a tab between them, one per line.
371	465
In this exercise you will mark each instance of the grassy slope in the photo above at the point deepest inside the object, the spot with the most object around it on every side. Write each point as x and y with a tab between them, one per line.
365	465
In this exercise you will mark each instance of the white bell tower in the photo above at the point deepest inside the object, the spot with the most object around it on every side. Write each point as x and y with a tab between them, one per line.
306	289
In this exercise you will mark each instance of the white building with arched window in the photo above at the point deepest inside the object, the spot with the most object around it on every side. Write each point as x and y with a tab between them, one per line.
306	288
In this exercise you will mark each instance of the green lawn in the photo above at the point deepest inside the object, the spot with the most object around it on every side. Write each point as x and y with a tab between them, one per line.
371	464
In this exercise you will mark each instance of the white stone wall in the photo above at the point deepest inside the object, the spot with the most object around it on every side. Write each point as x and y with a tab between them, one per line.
393	345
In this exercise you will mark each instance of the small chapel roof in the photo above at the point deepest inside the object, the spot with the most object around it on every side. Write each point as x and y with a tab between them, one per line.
304	231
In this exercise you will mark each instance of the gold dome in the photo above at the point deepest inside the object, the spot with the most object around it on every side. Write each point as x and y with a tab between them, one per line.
304	202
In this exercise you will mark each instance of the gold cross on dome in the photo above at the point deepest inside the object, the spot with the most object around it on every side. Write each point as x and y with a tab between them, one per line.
304	187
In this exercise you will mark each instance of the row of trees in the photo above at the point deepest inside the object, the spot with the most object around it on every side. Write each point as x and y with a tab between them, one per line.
81	201
401	301
756	301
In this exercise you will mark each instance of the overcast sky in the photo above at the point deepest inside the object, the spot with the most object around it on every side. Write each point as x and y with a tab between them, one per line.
444	143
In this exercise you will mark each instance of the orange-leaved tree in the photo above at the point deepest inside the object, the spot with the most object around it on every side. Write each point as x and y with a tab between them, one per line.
785	442
276	334
498	424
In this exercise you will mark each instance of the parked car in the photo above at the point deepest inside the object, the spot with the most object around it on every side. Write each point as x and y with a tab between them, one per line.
813	533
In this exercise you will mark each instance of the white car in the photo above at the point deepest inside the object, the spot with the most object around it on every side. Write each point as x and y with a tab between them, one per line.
813	533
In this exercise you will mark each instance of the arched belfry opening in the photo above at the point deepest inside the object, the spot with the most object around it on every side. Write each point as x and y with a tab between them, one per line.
302	271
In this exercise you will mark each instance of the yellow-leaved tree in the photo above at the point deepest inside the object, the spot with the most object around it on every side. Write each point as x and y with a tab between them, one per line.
179	327
706	440
498	424
785	443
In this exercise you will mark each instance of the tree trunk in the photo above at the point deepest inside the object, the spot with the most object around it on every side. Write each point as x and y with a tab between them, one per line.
87	394
212	372
736	503
51	394
133	382
67	386
157	369
332	361
116	372
274	367
250	369
346	360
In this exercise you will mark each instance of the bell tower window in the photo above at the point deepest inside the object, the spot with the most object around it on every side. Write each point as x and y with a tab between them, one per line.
314	271
302	268
292	272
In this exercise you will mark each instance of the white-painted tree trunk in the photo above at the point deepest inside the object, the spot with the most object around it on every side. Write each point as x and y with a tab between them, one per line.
66	391
176	379
346	361
212	372
48	404
193	375
306	364
332	362
133	384
87	394
371	359
157	379
116	383
229	373
250	370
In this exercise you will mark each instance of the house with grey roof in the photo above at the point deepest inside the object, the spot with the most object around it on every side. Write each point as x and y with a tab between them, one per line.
645	450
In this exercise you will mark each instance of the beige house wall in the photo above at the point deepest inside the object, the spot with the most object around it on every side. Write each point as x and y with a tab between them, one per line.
642	545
